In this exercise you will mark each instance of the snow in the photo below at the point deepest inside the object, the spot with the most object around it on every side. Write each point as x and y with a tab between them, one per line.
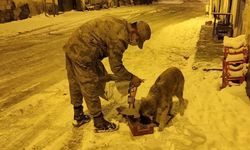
238	73
40	22
236	57
170	1
235	42
241	49
214	119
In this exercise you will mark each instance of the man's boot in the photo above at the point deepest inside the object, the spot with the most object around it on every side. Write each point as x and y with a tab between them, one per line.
79	117
102	125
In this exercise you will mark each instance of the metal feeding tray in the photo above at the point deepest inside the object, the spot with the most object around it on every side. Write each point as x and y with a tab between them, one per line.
137	128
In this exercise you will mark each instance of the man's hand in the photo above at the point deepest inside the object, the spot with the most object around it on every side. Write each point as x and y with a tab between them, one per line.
135	81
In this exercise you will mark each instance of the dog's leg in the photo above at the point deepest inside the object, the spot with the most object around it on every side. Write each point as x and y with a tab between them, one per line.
158	115
181	100
164	117
181	106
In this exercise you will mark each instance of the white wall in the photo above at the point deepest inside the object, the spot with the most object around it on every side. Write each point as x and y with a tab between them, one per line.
4	5
225	6
234	11
246	20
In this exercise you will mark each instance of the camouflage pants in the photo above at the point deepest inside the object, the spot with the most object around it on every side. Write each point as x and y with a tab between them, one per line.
84	82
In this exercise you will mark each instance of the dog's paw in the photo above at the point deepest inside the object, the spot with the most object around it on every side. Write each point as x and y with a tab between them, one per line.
182	112
160	129
182	109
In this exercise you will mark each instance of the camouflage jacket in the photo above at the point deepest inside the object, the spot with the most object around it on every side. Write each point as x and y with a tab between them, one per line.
100	38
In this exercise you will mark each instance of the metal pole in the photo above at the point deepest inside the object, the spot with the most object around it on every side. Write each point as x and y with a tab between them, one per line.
54	8
45	8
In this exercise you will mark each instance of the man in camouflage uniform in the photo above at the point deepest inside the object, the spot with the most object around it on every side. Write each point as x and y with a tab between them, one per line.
88	45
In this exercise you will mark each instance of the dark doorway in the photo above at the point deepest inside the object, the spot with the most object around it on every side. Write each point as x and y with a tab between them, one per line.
67	5
60	5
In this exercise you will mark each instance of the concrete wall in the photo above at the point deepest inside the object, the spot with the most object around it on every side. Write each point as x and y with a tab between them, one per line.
18	2
234	12
5	4
36	6
246	20
246	30
224	6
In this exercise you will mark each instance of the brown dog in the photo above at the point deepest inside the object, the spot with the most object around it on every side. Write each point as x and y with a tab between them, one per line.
158	103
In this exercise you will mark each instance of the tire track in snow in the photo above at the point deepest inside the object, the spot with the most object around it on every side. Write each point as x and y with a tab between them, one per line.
44	119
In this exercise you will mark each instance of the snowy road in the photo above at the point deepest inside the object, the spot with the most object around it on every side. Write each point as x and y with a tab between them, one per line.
35	112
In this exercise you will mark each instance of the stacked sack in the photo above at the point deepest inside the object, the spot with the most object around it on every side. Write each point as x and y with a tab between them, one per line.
235	61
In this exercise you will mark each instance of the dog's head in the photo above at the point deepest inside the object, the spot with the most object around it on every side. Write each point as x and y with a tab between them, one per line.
146	109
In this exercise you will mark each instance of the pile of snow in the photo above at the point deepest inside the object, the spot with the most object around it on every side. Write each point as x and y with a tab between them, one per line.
235	42
237	50
237	57
239	73
40	22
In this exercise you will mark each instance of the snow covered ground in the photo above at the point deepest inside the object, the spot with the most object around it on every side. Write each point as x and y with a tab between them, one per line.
214	119
171	1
